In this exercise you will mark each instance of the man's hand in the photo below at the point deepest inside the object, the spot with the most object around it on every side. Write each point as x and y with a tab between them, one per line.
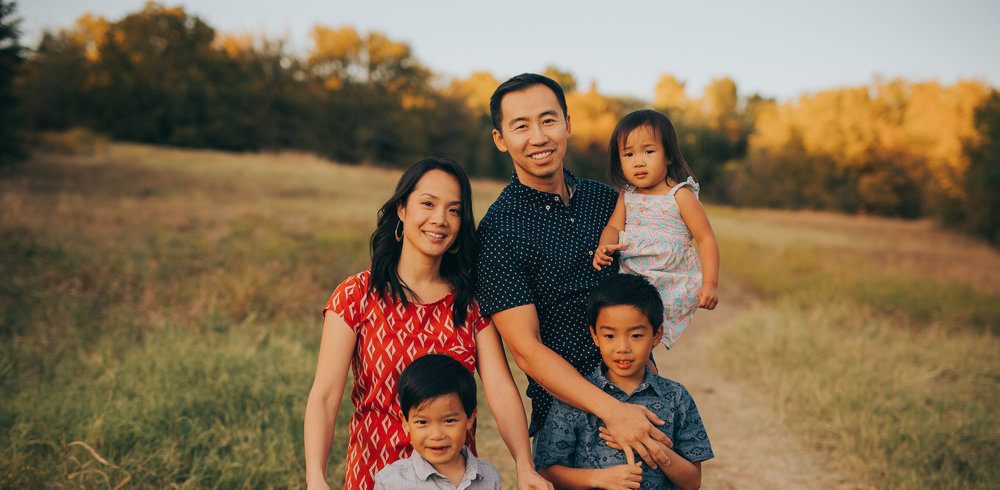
633	428
603	254
621	477
606	437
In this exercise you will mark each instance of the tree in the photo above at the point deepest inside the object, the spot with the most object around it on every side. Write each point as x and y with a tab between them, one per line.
11	58
565	79
982	209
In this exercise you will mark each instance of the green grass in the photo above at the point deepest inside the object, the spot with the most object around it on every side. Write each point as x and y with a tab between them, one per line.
159	318
881	359
901	409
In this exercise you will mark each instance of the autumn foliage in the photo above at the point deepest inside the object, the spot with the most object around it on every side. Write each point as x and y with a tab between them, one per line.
161	75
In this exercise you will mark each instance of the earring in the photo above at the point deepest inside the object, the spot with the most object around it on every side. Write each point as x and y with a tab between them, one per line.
398	231
453	250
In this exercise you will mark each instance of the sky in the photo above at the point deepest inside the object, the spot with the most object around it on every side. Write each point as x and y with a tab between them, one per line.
778	48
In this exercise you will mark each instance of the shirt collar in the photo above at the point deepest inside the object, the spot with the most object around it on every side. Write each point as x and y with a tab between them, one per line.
425	470
649	380
530	194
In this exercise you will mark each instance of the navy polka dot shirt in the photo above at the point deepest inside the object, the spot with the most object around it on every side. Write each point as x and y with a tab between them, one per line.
536	249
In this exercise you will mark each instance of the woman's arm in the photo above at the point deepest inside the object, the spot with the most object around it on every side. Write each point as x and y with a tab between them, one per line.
505	402
608	243
336	350
696	219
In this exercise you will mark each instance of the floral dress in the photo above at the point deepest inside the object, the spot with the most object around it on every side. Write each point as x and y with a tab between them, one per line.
389	337
660	250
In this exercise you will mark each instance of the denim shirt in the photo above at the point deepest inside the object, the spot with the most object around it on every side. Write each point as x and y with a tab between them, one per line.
570	437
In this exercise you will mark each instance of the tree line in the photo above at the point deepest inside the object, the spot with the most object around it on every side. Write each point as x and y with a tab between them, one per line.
164	76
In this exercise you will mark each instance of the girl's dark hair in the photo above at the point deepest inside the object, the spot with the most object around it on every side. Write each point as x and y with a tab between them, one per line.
456	268
678	169
627	290
434	375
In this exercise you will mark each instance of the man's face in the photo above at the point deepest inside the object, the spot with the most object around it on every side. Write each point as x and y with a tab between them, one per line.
534	131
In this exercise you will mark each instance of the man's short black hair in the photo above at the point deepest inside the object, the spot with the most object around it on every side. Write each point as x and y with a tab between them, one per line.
521	82
629	290
434	375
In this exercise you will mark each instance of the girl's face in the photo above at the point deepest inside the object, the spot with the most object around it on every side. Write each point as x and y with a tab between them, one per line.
644	161
432	214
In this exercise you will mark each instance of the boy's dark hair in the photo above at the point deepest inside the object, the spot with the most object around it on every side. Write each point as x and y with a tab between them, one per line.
434	375
521	82
629	290
660	124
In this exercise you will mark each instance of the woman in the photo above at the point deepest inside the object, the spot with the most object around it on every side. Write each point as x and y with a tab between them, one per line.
416	299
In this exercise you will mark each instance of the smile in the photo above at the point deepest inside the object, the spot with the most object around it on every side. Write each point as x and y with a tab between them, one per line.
540	156
624	363
436	236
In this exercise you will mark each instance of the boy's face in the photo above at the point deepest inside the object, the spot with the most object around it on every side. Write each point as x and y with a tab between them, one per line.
625	338
437	428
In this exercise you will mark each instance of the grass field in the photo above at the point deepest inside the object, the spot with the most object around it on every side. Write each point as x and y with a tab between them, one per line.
160	318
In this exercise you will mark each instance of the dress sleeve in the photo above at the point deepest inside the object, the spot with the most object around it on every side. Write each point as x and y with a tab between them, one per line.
476	319
348	299
690	439
504	280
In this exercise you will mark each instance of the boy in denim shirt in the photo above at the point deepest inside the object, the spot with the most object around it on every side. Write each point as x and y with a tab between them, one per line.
625	315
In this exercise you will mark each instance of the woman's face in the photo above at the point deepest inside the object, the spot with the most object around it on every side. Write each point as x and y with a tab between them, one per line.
432	214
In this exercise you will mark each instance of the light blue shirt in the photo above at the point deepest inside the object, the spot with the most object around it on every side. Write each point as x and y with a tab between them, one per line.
416	473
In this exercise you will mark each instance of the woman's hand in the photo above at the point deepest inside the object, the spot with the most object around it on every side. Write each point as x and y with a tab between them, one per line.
529	479
708	297
621	477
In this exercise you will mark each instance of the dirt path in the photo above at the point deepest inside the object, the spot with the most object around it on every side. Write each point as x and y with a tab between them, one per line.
753	449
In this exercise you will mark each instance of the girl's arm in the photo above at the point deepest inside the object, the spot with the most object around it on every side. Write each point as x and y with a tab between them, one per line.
681	472
696	219
613	478
336	350
608	243
505	403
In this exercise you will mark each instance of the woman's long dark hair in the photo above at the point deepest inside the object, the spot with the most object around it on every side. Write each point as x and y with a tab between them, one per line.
456	268
678	169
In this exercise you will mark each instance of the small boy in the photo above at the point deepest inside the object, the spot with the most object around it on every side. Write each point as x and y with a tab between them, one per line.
437	396
625	316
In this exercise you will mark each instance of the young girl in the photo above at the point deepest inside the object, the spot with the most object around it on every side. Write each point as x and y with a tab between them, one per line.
657	214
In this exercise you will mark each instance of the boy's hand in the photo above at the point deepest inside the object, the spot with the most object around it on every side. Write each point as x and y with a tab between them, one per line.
621	477
708	297
603	254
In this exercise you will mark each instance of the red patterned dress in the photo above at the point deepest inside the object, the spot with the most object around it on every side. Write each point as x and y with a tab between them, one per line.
389	337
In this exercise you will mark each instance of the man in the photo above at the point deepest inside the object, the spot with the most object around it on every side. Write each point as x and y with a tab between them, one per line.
534	269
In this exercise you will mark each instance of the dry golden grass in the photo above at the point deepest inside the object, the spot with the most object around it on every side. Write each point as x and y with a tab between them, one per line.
160	307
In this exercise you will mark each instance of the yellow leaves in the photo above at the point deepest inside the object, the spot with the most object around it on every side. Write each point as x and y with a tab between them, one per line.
89	32
474	90
669	94
234	45
925	124
334	44
593	116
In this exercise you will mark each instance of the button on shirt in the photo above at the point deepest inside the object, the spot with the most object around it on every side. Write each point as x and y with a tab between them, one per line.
570	437
536	249
417	474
